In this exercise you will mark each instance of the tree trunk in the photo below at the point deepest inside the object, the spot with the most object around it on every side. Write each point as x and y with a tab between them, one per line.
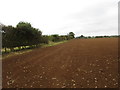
22	47
5	50
11	49
19	48
25	47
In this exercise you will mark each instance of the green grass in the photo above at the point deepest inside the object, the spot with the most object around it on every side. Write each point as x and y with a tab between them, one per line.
16	48
29	50
53	43
15	53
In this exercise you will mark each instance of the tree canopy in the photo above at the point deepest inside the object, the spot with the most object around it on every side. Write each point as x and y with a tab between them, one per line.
26	35
71	34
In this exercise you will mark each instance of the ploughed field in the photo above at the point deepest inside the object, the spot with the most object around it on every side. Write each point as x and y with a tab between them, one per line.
79	63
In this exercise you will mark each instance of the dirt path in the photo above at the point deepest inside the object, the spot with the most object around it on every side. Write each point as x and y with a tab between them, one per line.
80	63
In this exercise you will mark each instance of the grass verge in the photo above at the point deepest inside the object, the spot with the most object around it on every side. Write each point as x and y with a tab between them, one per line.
29	50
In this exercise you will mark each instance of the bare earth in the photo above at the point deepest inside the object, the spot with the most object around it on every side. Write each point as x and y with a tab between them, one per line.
79	63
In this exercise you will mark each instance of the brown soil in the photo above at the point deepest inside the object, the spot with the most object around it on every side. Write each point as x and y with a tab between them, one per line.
79	63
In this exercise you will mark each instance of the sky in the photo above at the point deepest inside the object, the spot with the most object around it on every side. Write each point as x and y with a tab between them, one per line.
83	17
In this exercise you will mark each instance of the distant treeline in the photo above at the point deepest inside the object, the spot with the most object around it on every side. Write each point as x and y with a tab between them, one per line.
97	36
25	35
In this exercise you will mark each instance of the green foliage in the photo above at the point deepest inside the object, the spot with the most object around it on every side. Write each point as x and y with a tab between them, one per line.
98	36
24	35
27	35
45	39
57	38
85	37
8	37
71	35
81	36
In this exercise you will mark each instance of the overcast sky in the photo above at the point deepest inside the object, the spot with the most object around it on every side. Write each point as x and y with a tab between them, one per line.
83	17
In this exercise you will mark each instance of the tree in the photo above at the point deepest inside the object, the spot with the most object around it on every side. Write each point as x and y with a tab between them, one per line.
8	37
81	36
55	38
45	39
27	35
37	37
24	33
71	34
